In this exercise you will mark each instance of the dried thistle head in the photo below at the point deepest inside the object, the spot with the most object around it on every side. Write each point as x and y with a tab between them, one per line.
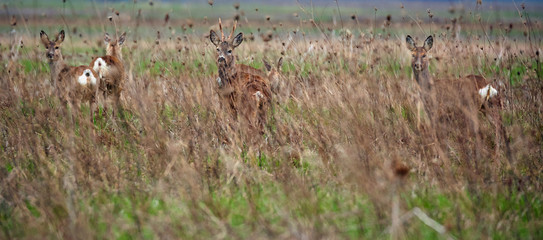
400	170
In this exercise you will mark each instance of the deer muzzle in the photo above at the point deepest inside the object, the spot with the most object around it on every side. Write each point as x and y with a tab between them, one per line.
417	66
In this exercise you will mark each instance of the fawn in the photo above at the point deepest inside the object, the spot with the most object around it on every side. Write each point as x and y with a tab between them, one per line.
274	76
110	68
279	86
470	92
242	87
72	84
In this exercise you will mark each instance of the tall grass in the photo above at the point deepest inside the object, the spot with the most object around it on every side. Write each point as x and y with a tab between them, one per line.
343	128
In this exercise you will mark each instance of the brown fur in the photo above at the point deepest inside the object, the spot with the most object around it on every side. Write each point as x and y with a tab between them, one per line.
241	87
274	76
65	78
112	76
462	102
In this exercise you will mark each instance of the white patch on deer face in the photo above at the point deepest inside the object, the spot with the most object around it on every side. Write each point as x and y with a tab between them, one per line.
100	67
219	81
488	91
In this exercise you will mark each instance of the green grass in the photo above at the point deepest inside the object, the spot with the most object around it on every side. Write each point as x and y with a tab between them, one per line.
174	164
241	208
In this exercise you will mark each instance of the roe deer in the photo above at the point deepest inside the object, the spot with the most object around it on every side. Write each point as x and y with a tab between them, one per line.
242	87
274	76
472	93
478	85
72	84
419	64
110	68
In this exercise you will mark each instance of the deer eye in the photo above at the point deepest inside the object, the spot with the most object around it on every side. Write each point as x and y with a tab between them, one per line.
229	51
56	47
423	56
218	50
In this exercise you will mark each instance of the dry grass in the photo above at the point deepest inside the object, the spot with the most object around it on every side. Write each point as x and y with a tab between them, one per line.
342	141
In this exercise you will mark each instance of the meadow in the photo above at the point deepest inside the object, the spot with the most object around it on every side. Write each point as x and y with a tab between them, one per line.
345	154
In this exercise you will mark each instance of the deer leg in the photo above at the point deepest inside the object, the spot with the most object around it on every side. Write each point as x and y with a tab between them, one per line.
497	137
419	108
91	109
72	105
117	96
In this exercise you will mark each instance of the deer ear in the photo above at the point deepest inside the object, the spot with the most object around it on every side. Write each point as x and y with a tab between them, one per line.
237	40
122	38
411	45
266	64
44	39
214	38
60	37
428	43
107	38
279	63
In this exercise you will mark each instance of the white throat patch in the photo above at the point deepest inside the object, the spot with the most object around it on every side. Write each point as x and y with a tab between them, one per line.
258	95
488	91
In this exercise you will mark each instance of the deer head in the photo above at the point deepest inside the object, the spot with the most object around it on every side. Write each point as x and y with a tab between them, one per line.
53	47
419	62
113	46
225	46
273	72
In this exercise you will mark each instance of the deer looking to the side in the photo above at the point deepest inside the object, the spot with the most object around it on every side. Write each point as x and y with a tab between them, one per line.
110	68
72	84
471	93
242	87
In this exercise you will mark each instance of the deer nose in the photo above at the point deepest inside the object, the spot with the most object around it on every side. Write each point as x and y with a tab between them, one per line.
418	66
221	58
49	55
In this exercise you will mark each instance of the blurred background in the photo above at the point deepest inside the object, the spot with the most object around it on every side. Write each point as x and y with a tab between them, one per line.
139	16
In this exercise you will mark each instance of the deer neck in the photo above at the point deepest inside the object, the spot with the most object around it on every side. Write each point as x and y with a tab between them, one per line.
56	66
228	74
424	79
116	52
